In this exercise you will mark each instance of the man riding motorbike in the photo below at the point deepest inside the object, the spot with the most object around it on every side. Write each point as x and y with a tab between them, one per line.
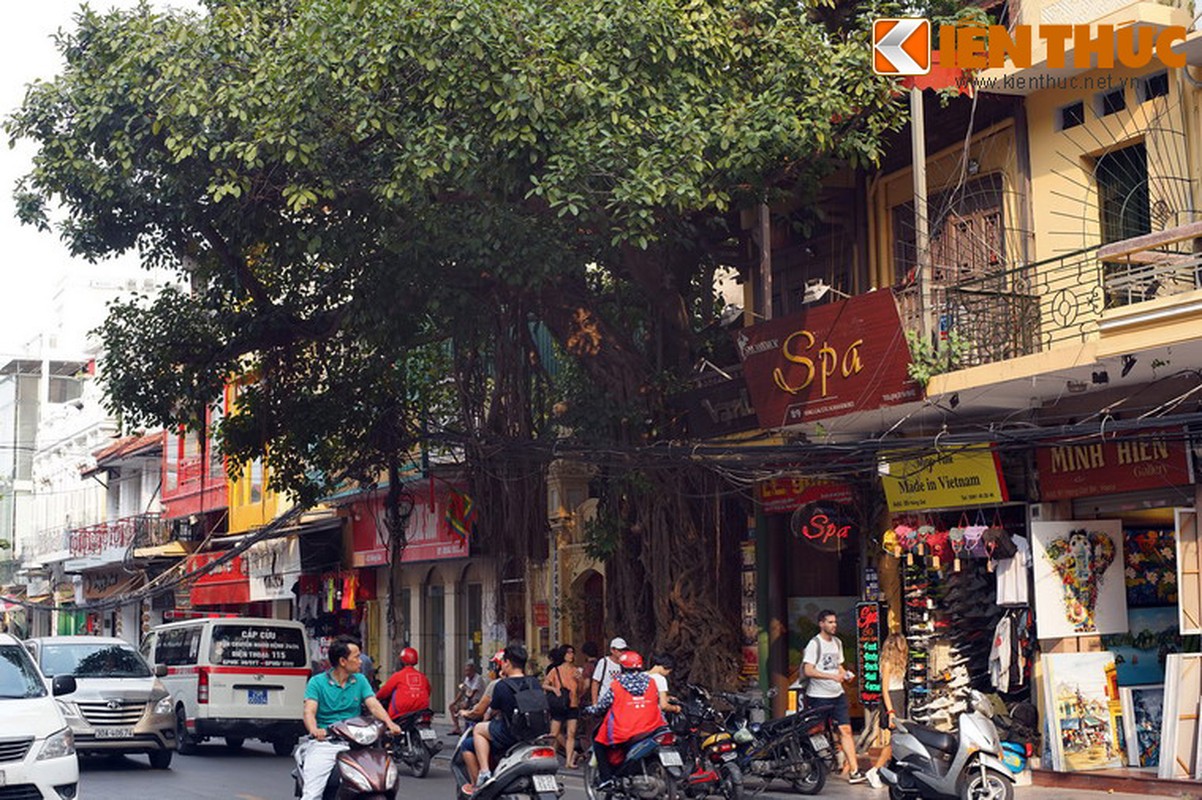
496	732
634	705
406	690
330	697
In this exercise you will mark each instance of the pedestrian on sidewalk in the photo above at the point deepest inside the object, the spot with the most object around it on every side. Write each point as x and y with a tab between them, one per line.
823	665
894	655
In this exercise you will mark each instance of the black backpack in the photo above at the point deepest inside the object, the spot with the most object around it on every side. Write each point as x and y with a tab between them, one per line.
531	717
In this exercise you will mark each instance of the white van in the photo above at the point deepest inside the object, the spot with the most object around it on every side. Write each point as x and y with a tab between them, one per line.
235	677
37	749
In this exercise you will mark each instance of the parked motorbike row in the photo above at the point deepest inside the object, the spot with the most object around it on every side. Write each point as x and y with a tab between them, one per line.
702	752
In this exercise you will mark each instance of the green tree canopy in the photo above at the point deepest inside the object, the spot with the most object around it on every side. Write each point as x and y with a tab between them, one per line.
380	209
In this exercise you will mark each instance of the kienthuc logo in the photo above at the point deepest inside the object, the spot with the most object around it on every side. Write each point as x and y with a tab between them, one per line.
901	46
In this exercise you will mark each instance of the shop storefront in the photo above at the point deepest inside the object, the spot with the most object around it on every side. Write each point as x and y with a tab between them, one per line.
1116	589
955	569
442	598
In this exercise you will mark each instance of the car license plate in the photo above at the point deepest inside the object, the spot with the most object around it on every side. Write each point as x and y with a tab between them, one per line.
426	734
256	697
729	756
670	758
114	733
545	783
820	743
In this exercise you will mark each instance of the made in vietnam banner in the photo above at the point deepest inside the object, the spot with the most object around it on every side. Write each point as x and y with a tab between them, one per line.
968	476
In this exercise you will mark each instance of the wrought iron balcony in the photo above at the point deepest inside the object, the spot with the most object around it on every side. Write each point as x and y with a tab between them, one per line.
145	529
1035	307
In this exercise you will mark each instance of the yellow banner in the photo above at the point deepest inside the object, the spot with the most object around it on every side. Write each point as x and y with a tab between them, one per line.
968	477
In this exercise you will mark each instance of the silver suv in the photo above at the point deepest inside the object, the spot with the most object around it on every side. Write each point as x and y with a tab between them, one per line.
119	705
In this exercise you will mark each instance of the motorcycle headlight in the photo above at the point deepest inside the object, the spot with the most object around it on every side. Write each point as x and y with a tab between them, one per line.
356	779
364	735
58	745
390	778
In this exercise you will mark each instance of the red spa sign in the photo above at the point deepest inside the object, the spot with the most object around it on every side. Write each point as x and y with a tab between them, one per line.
828	361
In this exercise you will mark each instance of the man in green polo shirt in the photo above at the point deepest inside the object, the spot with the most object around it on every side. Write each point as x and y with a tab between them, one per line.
332	696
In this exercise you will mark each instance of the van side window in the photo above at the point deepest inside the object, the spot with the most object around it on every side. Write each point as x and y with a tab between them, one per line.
177	647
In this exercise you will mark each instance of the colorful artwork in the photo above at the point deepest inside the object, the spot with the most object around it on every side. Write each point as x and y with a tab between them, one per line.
1140	653
1143	711
1151	571
1079	589
1085	710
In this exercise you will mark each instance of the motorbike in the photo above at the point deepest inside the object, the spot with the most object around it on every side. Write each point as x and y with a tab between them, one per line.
797	749
364	771
708	750
417	743
527	771
968	764
648	768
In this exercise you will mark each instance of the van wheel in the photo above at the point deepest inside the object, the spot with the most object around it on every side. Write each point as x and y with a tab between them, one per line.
284	747
161	759
184	741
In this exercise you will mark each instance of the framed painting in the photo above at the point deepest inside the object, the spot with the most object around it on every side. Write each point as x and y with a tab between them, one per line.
1079	582
1084	709
1143	715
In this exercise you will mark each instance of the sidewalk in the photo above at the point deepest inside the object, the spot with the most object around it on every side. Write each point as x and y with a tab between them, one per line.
836	788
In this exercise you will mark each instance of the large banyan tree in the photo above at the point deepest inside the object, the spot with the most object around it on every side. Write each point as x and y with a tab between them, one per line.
489	226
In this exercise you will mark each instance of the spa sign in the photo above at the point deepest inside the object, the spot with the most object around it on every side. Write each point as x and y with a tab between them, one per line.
827	361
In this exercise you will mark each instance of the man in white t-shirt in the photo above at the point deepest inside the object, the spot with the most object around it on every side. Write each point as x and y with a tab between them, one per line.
662	665
822	663
608	668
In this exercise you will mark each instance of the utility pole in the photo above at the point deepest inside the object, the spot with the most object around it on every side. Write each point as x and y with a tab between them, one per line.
922	245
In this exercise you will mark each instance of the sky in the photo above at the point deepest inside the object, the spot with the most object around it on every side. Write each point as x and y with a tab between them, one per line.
33	261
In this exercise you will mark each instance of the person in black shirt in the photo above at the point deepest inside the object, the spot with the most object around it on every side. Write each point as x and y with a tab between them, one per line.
496	731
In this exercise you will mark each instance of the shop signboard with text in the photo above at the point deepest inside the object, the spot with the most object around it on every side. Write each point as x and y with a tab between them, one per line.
272	567
1151	460
429	533
779	495
966	476
224	584
827	361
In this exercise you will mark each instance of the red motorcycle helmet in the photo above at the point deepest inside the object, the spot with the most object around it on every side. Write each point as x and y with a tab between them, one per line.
494	663
409	657
630	660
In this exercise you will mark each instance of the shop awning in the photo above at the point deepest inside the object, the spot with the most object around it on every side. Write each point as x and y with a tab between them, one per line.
105	591
169	550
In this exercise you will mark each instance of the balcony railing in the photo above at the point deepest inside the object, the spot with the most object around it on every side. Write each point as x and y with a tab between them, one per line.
145	529
1035	307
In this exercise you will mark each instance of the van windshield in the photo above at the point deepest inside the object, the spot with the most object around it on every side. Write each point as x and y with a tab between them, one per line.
93	661
258	646
19	679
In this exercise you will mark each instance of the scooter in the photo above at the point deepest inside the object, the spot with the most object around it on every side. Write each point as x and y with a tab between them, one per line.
797	748
364	771
646	769
708	750
968	765
417	743
528	770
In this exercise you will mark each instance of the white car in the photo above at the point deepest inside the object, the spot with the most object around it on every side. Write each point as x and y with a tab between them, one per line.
37	749
119	705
